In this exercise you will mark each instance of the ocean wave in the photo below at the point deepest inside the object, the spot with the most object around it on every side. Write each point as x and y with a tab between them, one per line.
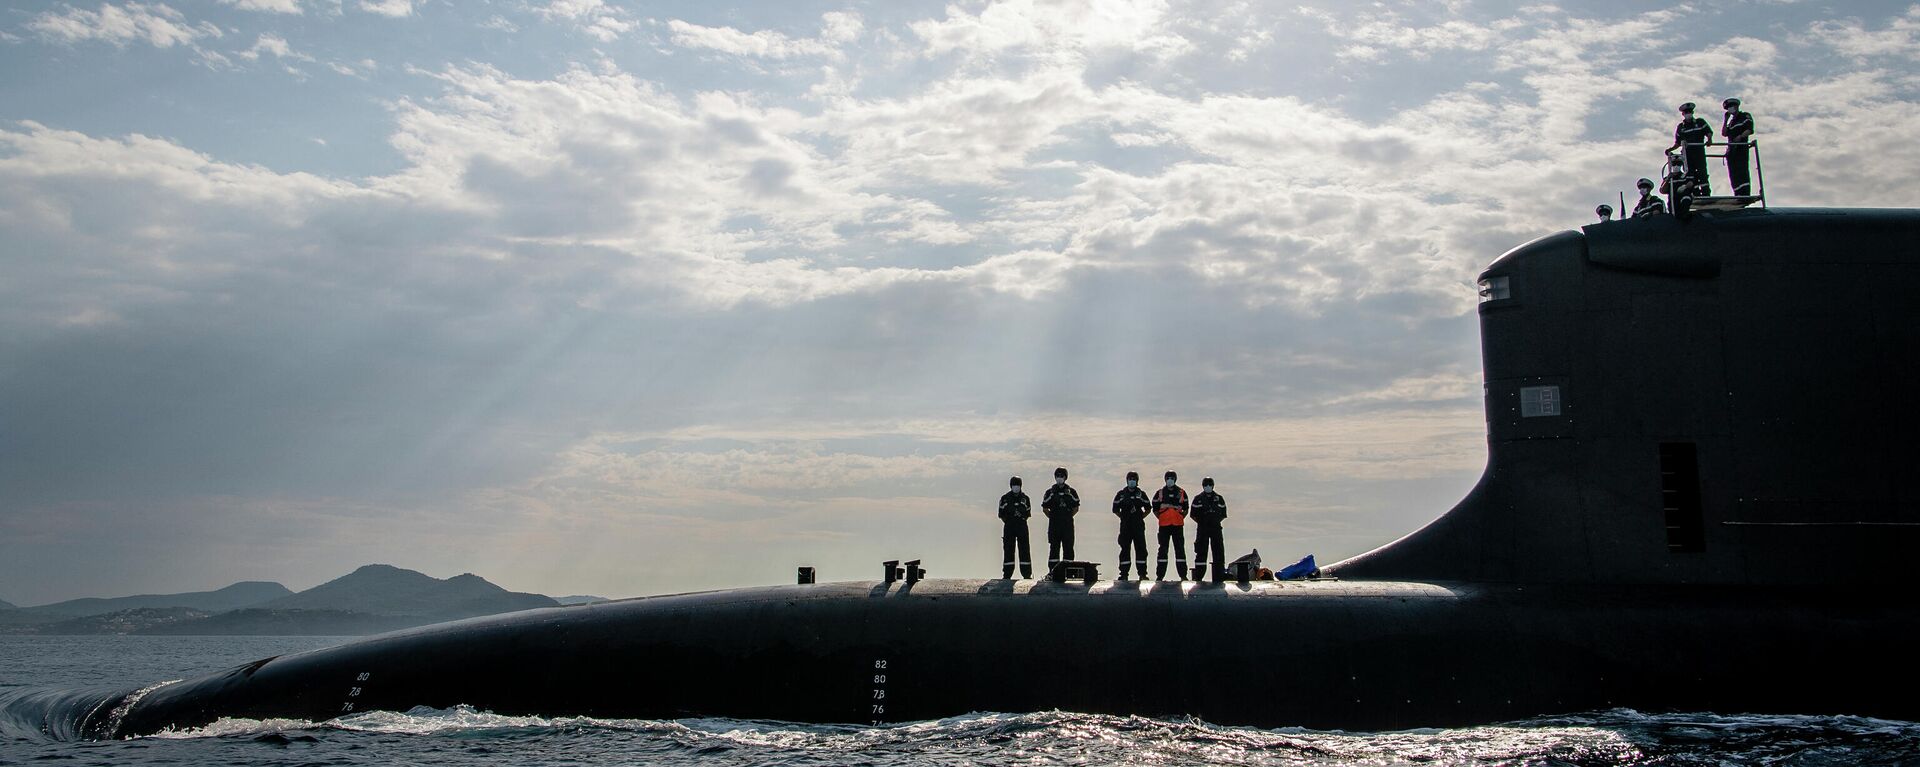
55	713
1613	738
1617	737
419	721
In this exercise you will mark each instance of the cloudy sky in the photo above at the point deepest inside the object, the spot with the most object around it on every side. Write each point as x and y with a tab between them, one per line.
623	298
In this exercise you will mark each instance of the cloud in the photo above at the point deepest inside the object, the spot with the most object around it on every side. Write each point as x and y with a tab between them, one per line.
841	26
1072	27
274	45
964	130
594	18
731	201
155	24
838	28
391	8
1370	39
272	6
1899	39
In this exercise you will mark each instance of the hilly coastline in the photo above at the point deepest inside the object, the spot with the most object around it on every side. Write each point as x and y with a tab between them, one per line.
238	595
370	600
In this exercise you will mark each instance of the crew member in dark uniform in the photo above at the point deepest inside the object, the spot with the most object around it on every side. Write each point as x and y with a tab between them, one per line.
1677	185
1060	504
1170	506
1738	131
1691	137
1650	203
1015	508
1209	510
1605	212
1131	505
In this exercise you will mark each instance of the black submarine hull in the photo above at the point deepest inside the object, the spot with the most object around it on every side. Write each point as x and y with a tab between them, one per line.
1317	654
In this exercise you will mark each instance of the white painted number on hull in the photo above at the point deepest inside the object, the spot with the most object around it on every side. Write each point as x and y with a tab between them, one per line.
354	691
879	710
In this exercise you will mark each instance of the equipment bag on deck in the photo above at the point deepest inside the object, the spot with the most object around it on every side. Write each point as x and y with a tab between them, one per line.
1304	568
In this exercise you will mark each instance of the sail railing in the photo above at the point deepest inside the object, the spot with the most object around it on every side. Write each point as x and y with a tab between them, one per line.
1677	157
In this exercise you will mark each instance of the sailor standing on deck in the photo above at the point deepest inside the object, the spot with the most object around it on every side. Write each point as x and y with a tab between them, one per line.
1060	504
1737	128
1209	510
1691	137
1132	505
1015	508
1170	505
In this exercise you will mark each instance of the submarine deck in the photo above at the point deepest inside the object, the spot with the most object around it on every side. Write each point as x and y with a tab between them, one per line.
936	588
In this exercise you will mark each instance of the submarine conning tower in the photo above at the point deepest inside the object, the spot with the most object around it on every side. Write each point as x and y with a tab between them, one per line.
1728	399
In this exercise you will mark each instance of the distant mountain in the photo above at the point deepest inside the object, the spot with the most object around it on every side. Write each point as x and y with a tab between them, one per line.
580	599
242	594
389	590
5	605
370	600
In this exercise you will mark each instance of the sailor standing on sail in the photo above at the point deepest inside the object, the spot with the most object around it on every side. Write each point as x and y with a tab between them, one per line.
1060	504
1738	130
1015	508
1170	505
1131	505
1691	137
1650	203
1209	510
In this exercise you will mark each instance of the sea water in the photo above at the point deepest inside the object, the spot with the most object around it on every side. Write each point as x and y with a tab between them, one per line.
31	666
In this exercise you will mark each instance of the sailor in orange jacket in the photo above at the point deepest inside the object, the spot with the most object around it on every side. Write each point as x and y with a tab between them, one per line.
1170	505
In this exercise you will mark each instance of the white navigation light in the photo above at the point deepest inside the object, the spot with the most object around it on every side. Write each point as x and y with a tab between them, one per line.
1538	401
1494	289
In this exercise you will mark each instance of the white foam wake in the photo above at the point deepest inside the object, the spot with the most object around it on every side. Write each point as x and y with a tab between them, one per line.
419	721
111	729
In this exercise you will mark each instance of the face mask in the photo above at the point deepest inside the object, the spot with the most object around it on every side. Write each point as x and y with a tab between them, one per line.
1169	483
1208	488
1133	483
1016	488
1059	480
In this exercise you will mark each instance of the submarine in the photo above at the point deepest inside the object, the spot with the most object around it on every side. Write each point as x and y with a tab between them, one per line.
1697	497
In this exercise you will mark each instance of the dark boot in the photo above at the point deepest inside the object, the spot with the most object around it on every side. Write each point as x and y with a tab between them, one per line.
1182	567
1199	571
